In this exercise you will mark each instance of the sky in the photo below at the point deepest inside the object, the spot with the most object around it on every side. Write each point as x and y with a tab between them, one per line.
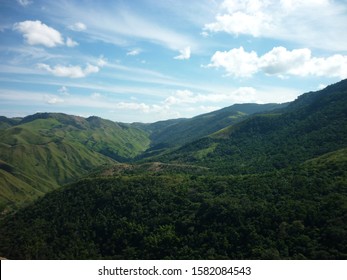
149	60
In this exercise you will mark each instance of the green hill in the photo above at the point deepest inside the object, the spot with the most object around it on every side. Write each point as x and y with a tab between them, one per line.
173	133
53	149
18	188
116	140
314	124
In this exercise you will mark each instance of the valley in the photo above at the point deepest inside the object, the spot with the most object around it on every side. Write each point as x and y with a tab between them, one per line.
249	181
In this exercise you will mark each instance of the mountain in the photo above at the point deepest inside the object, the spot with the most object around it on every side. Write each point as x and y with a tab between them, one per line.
8	122
47	150
51	149
270	185
116	140
181	131
314	124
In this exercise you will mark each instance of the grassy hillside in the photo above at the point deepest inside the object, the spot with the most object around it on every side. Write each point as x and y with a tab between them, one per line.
17	188
53	149
292	214
116	140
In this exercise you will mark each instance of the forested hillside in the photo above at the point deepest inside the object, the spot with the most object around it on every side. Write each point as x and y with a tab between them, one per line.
175	133
314	124
298	213
47	150
253	186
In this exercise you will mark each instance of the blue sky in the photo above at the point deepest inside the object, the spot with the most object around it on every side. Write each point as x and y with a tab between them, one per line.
148	60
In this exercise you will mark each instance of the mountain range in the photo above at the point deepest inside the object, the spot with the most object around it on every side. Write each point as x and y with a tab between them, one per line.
247	181
44	151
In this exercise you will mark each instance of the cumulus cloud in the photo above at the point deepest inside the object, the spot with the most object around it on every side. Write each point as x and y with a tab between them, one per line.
184	54
69	71
38	33
279	61
305	22
78	26
236	62
242	17
71	43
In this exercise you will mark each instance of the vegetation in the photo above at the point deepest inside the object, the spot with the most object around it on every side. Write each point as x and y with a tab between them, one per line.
182	131
48	150
314	124
296	213
268	185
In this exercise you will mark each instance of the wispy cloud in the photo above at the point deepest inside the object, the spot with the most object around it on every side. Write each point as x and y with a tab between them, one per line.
78	26
134	52
181	97
27	54
52	99
121	26
69	71
24	3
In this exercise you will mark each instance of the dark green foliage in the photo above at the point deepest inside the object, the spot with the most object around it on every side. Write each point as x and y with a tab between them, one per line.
297	213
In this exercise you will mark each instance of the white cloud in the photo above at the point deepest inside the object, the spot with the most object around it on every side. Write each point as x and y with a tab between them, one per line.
134	52
69	71
24	3
120	26
38	33
133	106
242	17
78	26
204	34
304	22
71	43
184	54
52	99
279	61
182	97
236	62
102	61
